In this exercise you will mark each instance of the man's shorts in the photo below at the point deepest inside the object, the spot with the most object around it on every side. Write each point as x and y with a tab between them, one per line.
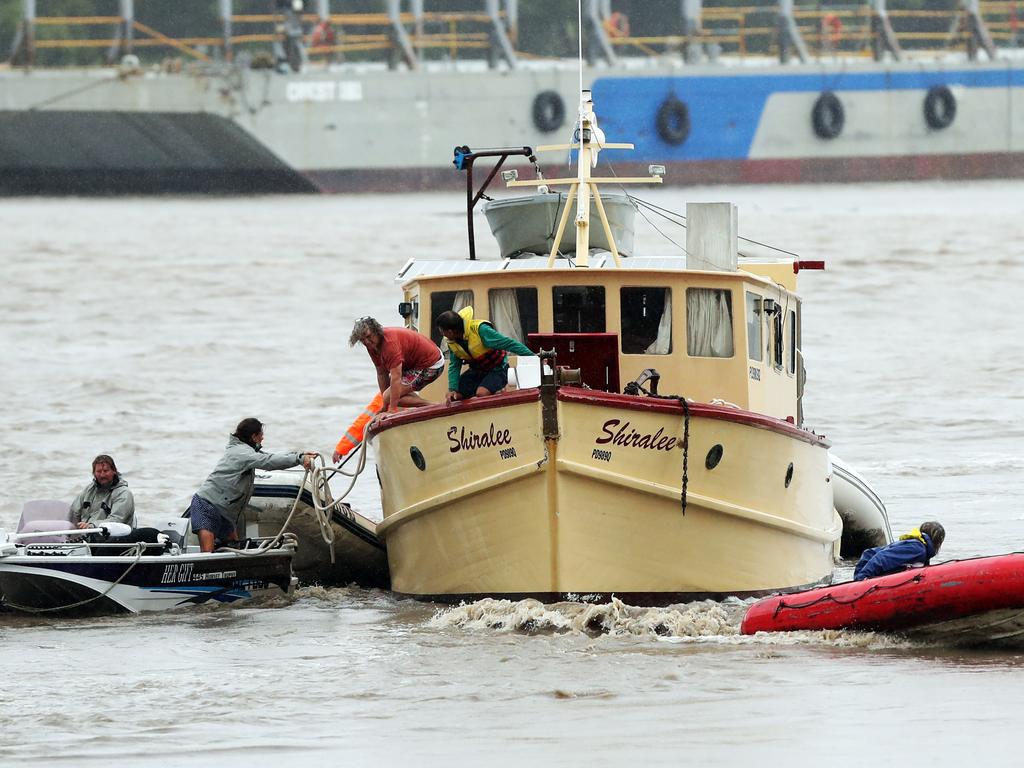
493	380
205	517
418	378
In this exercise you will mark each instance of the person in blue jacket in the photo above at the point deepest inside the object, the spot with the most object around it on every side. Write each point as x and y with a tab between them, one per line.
918	546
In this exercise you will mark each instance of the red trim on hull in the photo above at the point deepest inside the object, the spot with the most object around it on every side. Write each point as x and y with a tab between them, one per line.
908	599
427	412
705	410
809	170
594	397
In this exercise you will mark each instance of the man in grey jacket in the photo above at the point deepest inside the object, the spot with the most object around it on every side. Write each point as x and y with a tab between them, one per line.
106	499
219	502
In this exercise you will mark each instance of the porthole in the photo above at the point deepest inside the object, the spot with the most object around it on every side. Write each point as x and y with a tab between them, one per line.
789	474
714	456
417	459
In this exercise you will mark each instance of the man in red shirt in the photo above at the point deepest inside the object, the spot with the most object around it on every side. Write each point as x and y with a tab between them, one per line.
406	361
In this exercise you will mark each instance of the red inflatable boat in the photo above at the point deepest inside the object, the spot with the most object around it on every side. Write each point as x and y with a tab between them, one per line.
965	602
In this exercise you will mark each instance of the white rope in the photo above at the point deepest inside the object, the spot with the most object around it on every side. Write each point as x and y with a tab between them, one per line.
323	506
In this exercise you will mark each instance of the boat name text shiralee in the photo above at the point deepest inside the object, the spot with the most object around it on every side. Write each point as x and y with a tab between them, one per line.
629	437
468	440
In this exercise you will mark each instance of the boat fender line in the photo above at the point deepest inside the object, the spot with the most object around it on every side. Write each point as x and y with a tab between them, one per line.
673	121
636	388
939	107
686	450
829	598
140	551
548	111
828	116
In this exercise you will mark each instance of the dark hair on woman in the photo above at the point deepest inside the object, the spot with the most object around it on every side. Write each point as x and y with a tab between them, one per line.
935	532
247	430
450	321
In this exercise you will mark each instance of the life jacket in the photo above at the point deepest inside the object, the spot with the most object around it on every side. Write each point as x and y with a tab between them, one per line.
477	355
354	434
924	538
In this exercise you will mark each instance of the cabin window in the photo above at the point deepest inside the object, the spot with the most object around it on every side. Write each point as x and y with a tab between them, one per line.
754	326
442	301
646	327
791	357
777	338
708	322
514	312
578	309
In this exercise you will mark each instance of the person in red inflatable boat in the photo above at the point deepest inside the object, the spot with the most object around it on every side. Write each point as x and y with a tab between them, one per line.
918	546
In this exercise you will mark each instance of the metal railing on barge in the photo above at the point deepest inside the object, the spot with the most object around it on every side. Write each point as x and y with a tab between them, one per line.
297	32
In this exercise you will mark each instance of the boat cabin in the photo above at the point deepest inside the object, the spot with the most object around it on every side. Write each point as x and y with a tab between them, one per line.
714	328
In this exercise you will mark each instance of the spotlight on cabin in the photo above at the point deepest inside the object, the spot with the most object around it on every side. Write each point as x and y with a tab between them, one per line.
509	176
656	170
769	306
405	309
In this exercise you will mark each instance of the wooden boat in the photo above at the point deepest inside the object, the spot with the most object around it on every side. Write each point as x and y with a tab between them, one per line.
593	482
961	602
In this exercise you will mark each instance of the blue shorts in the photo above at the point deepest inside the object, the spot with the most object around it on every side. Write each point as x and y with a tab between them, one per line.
205	517
493	380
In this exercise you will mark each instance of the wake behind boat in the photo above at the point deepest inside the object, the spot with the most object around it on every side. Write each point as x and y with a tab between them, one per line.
49	567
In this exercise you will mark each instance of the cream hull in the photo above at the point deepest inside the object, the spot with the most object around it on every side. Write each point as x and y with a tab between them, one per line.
574	492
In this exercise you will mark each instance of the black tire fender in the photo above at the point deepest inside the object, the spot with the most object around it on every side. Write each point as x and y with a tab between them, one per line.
828	116
548	111
673	121
939	107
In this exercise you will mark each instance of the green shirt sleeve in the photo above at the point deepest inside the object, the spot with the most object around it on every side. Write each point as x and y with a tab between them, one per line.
454	369
494	340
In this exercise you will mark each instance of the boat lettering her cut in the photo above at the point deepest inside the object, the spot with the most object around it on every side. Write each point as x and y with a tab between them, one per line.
659	441
716	486
463	440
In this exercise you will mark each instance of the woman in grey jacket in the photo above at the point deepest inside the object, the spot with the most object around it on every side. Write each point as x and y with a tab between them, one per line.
219	502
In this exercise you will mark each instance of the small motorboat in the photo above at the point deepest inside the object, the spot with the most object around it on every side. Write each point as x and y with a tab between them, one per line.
976	602
49	566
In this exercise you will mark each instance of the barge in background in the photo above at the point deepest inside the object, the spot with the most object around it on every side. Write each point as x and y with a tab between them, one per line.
698	105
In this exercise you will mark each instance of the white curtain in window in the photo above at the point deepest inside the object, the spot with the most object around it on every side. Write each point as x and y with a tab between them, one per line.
662	345
463	299
505	313
708	324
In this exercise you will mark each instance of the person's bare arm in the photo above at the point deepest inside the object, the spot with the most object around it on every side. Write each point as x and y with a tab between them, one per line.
395	389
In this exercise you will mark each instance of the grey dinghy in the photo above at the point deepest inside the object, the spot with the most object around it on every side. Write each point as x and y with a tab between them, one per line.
84	572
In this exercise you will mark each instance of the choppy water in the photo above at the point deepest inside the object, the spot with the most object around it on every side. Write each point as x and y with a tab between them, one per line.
147	328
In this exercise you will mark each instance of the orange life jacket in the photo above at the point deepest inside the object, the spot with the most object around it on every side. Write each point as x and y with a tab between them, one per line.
354	434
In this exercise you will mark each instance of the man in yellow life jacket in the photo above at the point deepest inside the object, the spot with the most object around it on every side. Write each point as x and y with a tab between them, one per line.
477	343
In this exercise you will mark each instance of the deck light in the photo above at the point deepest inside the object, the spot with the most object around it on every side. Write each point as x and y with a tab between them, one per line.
656	170
509	176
